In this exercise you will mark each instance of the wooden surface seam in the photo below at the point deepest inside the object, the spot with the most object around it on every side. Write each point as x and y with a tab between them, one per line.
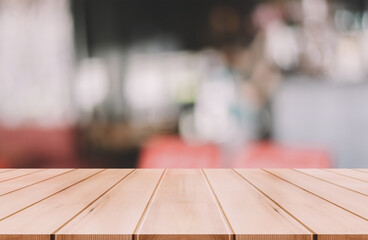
336	184
48	196
58	229
6	170
258	189
16	175
350	201
184	204
323	198
347	174
146	208
34	183
221	209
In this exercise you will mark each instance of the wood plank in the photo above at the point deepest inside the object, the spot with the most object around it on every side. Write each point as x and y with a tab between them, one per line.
183	207
344	237
7	176
349	200
118	212
350	173
251	214
322	217
337	179
29	180
18	200
48	215
3	170
20	237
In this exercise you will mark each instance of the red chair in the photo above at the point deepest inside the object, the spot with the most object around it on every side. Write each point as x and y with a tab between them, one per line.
272	155
172	152
38	147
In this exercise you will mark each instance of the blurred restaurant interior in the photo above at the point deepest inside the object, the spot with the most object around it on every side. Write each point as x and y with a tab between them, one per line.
184	84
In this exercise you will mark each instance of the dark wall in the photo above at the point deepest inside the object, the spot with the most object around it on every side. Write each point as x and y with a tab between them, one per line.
118	22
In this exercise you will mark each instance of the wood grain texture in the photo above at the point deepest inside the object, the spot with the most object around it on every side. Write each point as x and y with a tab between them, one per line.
48	215
181	204
343	237
118	212
9	175
349	200
171	236
337	179
362	176
23	198
4	170
183	207
251	214
29	180
21	237
319	215
268	236
93	237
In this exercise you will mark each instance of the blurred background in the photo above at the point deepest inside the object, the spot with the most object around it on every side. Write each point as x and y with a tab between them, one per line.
185	83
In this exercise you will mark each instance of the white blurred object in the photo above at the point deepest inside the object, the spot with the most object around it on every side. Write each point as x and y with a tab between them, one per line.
319	47
282	45
144	82
365	40
217	115
349	60
36	62
146	89
92	84
315	11
365	50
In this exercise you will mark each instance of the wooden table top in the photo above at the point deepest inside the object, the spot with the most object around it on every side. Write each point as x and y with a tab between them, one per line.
194	204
